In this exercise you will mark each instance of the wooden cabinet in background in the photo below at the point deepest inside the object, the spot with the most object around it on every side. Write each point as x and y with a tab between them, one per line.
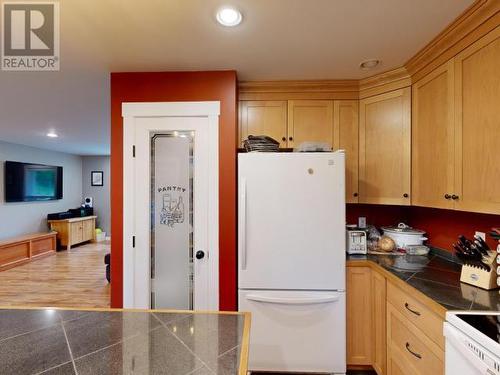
310	120
74	231
384	148
264	117
22	249
359	316
477	126
379	335
345	137
433	139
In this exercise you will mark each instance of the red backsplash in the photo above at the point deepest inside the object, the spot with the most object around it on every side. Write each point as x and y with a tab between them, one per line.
442	226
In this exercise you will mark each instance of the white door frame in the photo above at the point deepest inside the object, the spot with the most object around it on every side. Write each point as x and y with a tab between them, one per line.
136	270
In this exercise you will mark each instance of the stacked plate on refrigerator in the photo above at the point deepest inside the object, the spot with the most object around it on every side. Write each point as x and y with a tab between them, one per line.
260	143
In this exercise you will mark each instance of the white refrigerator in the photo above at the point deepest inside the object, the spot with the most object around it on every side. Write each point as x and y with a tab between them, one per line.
291	260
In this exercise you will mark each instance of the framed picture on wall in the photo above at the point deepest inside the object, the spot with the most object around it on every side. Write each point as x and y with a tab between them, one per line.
96	178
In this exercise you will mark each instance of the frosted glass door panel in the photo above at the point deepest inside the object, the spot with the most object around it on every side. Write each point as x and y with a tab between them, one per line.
172	229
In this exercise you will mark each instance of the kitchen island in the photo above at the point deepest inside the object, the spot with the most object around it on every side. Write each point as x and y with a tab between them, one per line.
115	341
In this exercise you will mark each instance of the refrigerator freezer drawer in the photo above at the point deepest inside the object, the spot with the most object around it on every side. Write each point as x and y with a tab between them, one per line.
296	331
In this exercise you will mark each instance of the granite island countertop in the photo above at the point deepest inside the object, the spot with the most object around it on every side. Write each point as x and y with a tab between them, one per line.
436	277
68	341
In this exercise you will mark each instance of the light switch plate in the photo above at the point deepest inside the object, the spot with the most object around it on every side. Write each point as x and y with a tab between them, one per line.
481	234
361	222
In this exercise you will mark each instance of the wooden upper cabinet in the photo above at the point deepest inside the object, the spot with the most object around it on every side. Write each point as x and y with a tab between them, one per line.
345	137
310	120
477	138
384	148
263	117
433	139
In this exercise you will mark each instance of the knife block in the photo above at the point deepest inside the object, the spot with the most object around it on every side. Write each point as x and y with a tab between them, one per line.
479	277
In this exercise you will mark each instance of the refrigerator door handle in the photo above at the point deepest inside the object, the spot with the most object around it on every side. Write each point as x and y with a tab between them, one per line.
292	301
243	224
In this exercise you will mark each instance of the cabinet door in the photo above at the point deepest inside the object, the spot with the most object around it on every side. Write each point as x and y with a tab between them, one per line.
261	117
384	148
76	232
345	137
310	120
88	230
477	136
379	322
359	316
433	139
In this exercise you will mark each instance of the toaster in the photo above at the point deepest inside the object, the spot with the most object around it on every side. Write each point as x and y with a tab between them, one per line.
356	241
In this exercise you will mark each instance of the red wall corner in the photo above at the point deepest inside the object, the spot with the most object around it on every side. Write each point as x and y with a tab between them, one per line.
169	87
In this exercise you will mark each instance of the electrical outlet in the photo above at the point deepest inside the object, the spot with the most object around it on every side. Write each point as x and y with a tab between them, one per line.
481	234
361	222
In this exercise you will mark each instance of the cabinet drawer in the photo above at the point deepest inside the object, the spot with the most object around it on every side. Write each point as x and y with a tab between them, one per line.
14	253
410	348
42	246
417	313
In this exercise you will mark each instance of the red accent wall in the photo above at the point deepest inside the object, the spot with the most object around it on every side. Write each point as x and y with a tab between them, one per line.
168	87
442	226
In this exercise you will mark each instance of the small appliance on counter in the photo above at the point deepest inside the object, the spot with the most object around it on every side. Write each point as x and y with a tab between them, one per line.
404	235
479	262
356	240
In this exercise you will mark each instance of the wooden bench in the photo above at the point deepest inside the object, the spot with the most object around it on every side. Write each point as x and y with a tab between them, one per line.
19	250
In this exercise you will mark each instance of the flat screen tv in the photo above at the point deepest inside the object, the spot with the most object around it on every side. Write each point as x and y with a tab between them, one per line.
26	182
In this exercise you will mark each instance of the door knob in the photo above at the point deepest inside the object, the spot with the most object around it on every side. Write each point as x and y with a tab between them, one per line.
200	254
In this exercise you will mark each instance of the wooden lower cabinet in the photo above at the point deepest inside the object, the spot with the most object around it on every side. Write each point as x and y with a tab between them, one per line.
74	231
379	330
19	250
408	345
382	330
359	316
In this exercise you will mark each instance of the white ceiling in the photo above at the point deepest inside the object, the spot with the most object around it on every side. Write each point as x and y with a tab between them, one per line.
278	39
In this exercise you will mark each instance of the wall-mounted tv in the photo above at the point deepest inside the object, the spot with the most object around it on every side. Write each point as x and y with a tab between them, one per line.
26	182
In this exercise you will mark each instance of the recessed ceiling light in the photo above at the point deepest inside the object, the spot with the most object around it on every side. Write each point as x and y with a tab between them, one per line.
229	16
369	64
52	135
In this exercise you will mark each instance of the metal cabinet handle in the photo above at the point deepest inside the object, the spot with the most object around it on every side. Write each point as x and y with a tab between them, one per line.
283	139
419	356
407	306
290	138
454	197
405	195
447	196
355	194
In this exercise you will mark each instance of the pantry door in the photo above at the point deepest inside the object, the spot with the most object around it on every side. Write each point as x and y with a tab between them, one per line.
170	255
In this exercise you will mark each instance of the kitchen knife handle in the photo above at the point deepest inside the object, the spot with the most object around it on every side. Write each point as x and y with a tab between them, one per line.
407	306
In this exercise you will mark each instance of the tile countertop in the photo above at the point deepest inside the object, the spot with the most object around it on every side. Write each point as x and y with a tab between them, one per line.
64	341
437	278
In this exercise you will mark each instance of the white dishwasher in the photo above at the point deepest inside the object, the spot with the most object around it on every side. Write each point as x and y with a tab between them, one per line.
472	343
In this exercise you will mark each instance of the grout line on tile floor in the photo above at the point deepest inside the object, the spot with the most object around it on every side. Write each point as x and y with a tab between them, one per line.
52	368
184	344
69	348
26	333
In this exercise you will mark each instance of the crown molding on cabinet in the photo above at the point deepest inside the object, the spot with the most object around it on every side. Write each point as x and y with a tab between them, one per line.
384	82
296	90
475	22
